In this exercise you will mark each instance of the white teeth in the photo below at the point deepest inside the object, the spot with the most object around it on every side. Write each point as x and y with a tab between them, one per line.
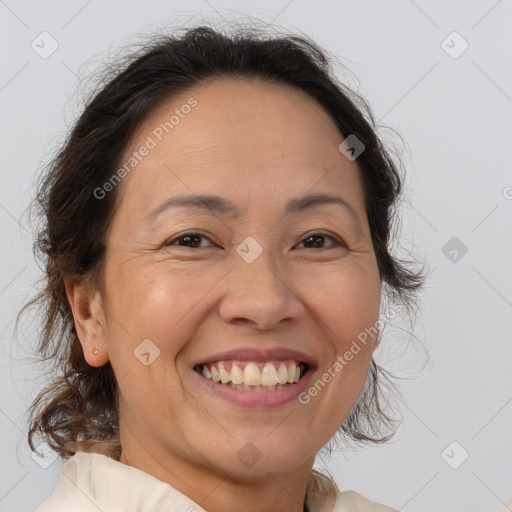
252	375
237	375
206	372
282	374
273	373
243	387
215	373
291	372
269	375
225	377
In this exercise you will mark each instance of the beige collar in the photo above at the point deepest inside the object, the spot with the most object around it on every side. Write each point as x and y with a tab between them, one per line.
91	482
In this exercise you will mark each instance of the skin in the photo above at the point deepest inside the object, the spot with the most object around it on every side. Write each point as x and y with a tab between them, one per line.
258	145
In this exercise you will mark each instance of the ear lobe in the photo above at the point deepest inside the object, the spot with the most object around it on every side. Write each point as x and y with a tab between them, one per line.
86	305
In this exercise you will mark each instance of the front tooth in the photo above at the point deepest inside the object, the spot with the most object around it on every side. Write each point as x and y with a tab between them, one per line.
237	375
252	375
215	373
225	377
291	372
269	376
282	374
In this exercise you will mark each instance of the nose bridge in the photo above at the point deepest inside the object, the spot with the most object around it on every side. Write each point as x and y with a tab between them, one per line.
257	290
263	274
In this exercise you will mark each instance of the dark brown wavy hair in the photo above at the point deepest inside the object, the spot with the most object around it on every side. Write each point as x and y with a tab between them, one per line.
78	410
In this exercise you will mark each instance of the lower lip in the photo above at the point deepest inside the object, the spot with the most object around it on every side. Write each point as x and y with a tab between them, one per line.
259	399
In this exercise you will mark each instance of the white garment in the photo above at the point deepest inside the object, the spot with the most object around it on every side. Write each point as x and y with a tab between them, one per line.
91	482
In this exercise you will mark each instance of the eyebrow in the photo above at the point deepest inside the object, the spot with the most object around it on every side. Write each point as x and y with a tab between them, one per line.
222	206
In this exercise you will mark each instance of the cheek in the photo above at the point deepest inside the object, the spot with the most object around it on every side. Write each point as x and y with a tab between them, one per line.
158	302
347	301
150	323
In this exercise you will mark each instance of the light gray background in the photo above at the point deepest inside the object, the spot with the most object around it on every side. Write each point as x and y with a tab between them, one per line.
456	117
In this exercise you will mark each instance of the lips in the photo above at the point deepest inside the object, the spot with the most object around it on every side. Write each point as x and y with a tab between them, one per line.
259	355
250	370
256	379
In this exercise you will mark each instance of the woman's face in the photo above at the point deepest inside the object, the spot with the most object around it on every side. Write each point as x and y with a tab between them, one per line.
255	273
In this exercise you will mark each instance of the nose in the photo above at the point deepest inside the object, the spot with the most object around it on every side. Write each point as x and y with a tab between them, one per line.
258	294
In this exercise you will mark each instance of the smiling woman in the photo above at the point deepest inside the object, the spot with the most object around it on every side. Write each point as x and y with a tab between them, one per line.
213	311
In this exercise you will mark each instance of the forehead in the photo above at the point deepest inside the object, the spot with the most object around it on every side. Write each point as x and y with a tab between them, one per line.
232	133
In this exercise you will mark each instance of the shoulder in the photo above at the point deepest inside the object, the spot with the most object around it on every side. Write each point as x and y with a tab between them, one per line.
67	491
92	482
351	501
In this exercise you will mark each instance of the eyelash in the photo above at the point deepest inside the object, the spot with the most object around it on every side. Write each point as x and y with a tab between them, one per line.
311	235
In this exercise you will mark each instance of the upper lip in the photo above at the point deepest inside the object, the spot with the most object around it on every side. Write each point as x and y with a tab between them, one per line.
259	355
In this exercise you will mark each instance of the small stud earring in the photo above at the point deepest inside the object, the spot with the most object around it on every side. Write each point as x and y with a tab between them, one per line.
95	351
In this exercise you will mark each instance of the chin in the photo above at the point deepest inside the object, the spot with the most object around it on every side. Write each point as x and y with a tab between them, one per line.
260	455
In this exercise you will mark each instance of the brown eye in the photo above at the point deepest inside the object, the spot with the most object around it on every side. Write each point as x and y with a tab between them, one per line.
190	240
318	241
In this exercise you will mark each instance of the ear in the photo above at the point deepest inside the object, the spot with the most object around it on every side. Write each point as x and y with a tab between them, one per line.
88	314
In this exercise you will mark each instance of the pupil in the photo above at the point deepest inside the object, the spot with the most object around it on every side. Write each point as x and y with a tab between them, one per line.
317	243
191	239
